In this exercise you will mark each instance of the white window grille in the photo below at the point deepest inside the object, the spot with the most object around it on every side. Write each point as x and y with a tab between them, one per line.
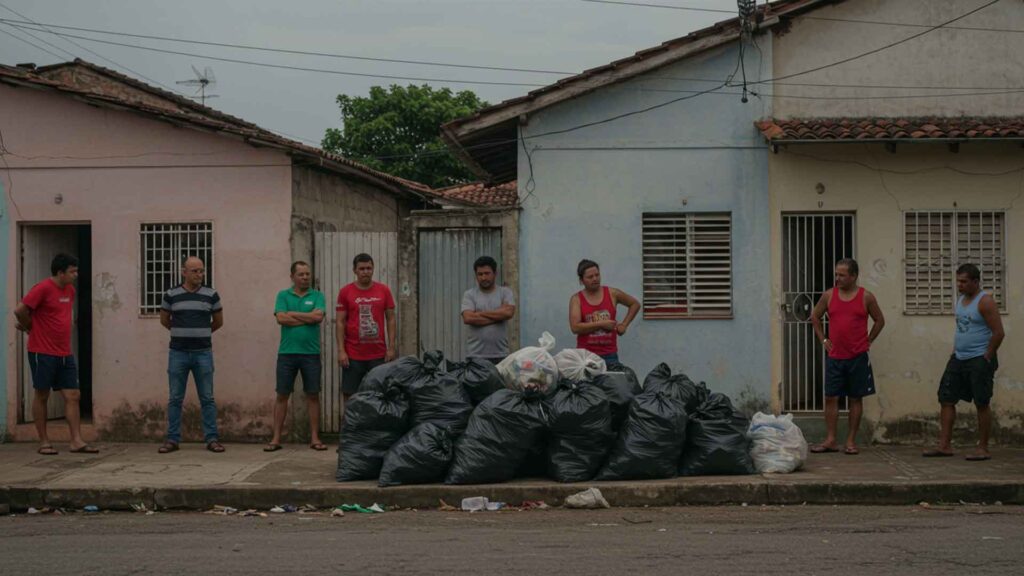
164	248
936	242
687	260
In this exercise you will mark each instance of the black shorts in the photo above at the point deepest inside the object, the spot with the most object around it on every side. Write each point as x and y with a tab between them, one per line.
53	372
290	365
352	376
852	377
968	380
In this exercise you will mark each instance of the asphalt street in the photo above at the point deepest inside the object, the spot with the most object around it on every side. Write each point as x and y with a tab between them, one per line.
934	540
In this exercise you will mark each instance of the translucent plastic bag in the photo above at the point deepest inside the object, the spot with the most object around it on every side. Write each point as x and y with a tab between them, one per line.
531	368
777	445
577	365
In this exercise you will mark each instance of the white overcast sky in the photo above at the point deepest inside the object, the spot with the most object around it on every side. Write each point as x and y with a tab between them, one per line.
560	35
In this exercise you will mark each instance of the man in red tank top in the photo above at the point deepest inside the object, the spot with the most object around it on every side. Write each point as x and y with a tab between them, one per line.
847	368
592	313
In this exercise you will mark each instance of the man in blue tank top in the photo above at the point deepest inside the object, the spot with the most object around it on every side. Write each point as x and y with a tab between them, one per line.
972	367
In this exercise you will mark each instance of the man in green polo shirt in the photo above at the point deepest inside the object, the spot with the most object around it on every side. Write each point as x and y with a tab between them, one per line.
299	310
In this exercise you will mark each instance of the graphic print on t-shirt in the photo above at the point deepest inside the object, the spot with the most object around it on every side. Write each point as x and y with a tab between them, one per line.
369	330
598	316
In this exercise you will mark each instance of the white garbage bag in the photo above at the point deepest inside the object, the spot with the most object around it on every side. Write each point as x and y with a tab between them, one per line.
531	368
578	365
776	444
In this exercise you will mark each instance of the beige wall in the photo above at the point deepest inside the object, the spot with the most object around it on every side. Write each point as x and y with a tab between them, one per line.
910	354
114	170
942	59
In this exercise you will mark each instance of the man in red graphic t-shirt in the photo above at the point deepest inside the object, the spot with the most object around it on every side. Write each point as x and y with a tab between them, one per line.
847	368
45	313
366	327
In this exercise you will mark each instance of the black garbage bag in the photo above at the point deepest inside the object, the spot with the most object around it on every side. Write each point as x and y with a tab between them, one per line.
535	464
501	432
693	394
437	397
620	385
478	377
400	371
716	440
374	421
420	457
651	439
580	431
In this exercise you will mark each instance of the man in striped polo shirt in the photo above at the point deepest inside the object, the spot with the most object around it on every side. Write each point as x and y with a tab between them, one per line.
192	312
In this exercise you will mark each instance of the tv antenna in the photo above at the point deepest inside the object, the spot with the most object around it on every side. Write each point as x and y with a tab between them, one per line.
200	82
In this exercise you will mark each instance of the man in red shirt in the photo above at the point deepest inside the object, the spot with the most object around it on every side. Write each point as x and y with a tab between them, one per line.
364	306
847	367
45	313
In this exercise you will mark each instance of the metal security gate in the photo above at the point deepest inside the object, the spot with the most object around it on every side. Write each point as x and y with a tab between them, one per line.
811	245
332	269
445	272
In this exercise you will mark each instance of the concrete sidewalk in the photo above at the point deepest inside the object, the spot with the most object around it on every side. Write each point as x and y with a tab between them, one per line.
123	475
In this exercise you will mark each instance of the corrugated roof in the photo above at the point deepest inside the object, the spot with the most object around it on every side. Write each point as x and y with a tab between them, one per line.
172	107
873	129
480	194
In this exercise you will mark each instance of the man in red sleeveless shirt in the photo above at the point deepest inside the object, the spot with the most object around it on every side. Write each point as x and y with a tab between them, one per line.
847	369
592	313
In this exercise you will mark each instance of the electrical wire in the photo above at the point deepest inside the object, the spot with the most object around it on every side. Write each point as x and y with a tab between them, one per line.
292	51
647	5
94	53
287	67
36	46
45	41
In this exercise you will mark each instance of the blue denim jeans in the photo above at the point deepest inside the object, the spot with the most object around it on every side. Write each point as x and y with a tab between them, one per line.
611	358
200	364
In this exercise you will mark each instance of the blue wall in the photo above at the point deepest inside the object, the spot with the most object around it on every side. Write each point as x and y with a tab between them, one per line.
4	265
592	186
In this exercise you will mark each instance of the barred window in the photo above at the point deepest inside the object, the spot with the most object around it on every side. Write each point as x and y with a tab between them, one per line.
164	248
687	265
937	242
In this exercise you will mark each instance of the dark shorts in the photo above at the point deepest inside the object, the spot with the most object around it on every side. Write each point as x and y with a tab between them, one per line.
289	366
53	372
968	380
852	377
352	376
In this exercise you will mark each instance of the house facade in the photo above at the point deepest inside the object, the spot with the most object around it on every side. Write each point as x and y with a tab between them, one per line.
131	179
894	144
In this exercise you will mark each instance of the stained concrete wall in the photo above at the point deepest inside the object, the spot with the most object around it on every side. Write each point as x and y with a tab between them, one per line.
951	66
585	190
6	345
114	170
939	61
879	186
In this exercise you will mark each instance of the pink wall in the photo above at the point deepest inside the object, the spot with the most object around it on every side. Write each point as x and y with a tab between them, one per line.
116	169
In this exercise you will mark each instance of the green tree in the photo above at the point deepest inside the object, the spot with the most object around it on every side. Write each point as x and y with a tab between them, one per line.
398	130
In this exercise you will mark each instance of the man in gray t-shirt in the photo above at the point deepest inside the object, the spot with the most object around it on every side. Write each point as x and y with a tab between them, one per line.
486	310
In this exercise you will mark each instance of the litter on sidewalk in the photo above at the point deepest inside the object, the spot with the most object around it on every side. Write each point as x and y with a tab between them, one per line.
589	498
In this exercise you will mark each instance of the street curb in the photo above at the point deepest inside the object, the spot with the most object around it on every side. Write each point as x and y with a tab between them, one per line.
750	490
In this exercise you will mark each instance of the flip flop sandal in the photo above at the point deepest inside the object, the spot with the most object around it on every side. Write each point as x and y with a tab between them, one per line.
167	448
215	446
977	457
272	447
85	450
319	446
851	451
936	454
822	449
47	450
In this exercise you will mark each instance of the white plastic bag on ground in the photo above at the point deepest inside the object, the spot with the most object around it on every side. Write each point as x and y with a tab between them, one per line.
578	365
776	444
531	368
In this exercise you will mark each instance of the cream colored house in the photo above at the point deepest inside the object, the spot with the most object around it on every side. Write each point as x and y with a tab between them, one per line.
909	159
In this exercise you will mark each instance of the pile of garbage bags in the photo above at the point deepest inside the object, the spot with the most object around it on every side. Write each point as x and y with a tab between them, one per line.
568	417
